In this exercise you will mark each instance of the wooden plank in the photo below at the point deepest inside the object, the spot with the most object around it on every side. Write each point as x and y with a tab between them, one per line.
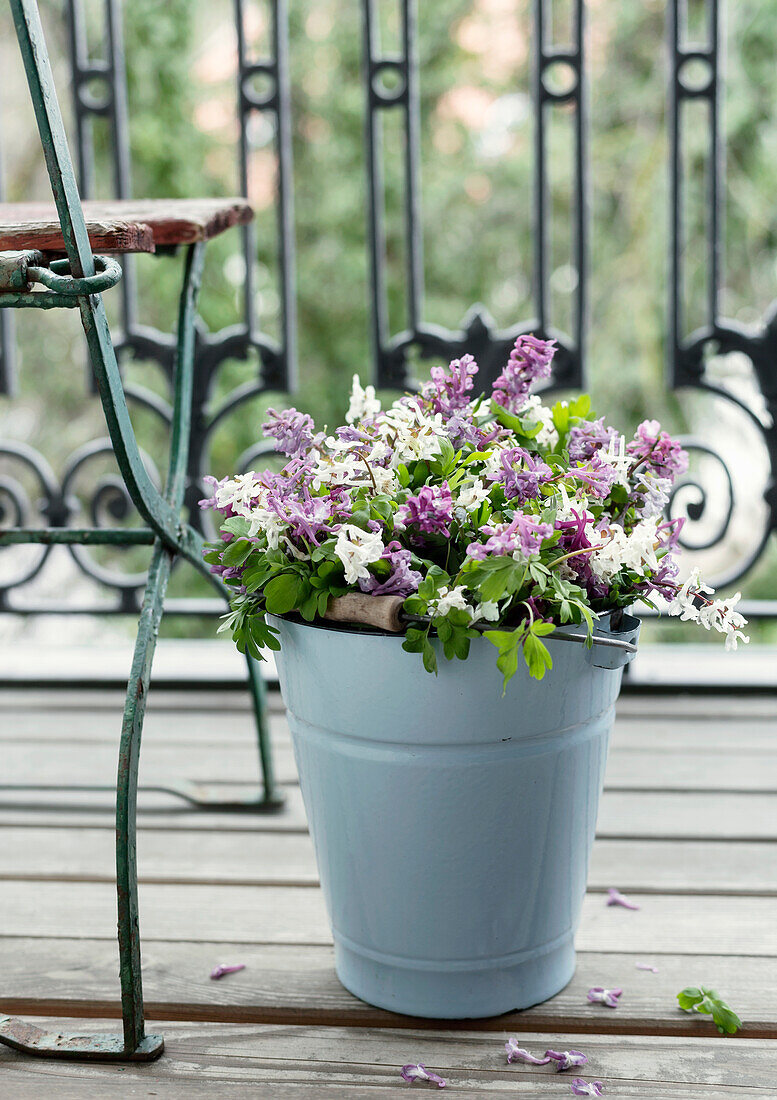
367	1062
635	815
131	225
287	984
292	914
263	859
95	715
28	760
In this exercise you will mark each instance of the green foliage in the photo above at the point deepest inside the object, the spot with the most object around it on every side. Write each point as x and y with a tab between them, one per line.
708	1002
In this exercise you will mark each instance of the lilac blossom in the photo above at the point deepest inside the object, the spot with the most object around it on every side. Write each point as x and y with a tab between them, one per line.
291	430
597	475
214	485
523	535
450	389
566	1059
518	1054
655	449
615	897
529	362
647	966
520	474
226	968
650	493
416	1072
308	517
590	436
430	510
599	995
587	1088
401	581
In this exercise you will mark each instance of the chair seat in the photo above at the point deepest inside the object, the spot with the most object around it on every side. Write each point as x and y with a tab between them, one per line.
123	225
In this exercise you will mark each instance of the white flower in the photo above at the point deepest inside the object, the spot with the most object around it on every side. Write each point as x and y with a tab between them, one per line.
357	549
614	455
634	551
411	433
711	614
364	404
262	519
684	602
471	495
488	611
239	492
448	599
547	435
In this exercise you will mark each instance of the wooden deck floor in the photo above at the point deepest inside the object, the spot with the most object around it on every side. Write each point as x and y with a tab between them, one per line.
688	827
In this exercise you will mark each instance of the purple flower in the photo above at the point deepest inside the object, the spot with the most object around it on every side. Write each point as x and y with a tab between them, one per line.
597	476
587	1088
615	897
529	362
401	581
308	517
599	995
450	389
518	1054
590	436
521	474
291	430
647	966
430	510
213	484
567	1059
655	449
416	1072
524	535
222	969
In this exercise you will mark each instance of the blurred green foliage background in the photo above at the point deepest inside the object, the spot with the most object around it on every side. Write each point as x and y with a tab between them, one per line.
476	171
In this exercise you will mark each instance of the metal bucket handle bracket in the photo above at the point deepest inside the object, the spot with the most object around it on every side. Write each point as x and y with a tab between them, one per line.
615	656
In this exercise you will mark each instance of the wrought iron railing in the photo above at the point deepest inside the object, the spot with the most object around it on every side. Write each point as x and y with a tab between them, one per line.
392	87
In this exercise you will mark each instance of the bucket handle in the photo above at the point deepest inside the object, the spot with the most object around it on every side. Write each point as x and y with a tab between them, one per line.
385	613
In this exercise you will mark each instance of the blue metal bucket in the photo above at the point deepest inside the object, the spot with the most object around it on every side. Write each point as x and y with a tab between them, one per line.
452	825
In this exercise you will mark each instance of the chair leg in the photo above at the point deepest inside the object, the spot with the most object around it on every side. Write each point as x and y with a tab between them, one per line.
133	1045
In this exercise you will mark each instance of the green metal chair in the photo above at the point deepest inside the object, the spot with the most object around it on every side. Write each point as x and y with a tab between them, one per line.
78	281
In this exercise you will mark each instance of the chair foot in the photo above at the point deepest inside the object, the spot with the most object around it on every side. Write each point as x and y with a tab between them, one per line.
102	1047
202	796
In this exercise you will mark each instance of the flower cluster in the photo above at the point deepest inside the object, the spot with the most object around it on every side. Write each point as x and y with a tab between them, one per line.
484	513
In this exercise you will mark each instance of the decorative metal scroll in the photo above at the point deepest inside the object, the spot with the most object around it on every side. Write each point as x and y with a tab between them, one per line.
478	334
717	335
99	91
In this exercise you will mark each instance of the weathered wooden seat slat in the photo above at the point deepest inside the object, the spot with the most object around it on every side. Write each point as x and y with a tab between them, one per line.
126	225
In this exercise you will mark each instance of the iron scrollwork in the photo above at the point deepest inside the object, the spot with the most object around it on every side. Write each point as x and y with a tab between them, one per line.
478	333
717	335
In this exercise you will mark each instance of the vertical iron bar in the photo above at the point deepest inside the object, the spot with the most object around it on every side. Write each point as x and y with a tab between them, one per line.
676	220
540	167
414	238
580	248
716	167
375	194
248	232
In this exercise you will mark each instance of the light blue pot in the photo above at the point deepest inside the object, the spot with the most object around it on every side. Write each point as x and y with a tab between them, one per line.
452	826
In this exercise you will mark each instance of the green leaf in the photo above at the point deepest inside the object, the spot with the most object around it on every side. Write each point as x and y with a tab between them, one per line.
537	656
236	552
429	656
285	592
236	525
507	642
709	1003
